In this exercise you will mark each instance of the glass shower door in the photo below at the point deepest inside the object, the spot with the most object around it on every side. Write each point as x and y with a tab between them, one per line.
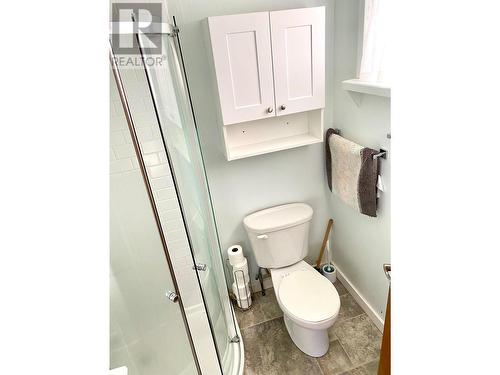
148	334
171	100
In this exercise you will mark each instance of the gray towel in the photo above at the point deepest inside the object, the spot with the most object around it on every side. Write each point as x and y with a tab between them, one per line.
352	173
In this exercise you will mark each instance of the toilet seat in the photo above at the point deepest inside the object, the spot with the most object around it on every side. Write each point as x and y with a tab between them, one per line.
308	298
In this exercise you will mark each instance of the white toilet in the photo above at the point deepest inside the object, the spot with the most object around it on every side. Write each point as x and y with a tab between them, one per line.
310	303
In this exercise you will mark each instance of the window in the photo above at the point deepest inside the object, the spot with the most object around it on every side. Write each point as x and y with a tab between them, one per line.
374	62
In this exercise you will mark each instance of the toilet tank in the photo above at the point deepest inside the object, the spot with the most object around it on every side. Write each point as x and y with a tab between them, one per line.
279	235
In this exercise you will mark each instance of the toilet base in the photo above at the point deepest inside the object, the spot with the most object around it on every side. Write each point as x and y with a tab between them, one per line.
313	342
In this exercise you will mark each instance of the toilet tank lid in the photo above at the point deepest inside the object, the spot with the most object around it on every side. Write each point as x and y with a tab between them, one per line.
278	217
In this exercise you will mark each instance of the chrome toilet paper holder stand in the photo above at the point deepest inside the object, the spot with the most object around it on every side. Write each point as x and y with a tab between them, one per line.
246	281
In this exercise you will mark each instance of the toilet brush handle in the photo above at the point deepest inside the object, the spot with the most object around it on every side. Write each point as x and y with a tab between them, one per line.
325	240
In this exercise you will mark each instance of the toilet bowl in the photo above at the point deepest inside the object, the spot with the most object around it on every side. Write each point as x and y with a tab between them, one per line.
310	303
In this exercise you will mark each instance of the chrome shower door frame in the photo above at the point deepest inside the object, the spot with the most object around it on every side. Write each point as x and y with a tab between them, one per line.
142	167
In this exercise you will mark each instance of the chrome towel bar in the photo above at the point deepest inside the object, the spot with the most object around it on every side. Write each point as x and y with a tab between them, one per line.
381	154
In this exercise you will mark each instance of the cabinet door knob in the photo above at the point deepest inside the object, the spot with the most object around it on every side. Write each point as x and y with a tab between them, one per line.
283	107
270	109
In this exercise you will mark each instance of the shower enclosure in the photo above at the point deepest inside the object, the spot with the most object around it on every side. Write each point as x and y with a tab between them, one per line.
170	308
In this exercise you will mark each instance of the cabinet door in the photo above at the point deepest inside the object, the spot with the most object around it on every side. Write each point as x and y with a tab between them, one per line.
241	47
298	43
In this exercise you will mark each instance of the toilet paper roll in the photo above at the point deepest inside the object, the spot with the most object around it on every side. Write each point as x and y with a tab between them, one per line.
241	292
245	303
240	272
235	254
243	266
241	277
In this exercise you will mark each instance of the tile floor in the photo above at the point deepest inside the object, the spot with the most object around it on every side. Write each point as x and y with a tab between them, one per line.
354	341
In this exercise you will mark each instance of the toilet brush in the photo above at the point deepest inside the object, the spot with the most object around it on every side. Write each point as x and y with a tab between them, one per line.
323	245
328	267
328	270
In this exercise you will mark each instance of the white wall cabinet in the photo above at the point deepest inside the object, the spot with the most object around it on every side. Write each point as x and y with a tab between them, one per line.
298	47
241	47
269	65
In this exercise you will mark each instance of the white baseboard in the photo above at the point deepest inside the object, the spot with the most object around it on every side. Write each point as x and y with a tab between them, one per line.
368	309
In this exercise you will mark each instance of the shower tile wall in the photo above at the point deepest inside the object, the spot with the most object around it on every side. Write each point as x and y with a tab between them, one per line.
131	342
123	160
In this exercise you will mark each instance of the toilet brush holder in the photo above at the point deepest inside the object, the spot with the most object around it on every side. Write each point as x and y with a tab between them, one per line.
330	272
